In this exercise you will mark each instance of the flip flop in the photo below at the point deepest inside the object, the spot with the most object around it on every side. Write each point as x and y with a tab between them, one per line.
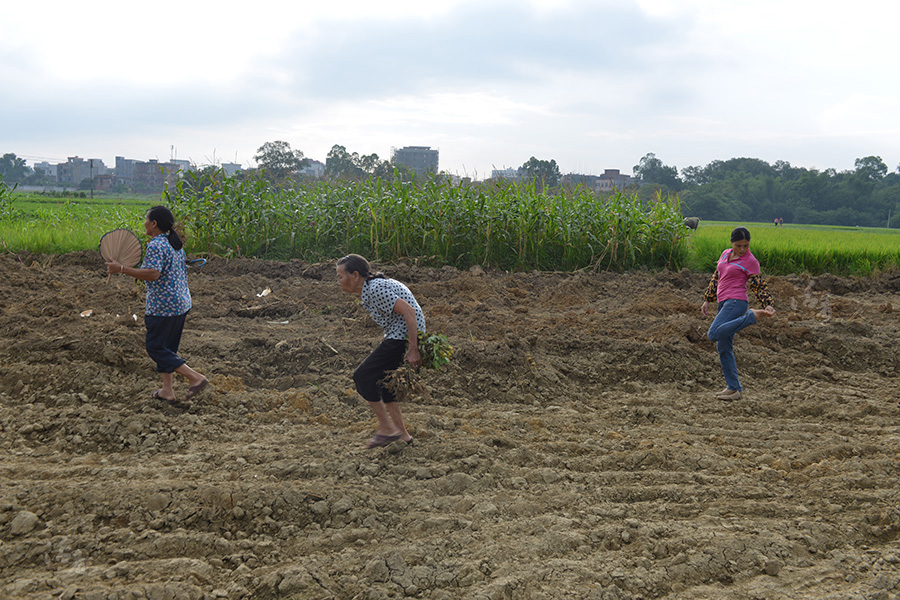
196	389
381	440
158	396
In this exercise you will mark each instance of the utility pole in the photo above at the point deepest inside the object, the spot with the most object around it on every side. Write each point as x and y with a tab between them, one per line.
92	177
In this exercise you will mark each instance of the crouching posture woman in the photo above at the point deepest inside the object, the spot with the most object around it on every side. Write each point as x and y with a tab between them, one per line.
393	307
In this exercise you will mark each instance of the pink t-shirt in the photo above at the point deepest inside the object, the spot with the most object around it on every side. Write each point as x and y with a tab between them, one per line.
733	276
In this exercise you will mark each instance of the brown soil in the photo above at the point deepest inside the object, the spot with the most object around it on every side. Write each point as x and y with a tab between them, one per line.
573	449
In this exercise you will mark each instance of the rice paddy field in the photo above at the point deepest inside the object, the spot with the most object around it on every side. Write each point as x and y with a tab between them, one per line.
814	249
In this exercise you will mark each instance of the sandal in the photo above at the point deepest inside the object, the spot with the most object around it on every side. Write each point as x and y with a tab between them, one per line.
170	401
381	440
196	389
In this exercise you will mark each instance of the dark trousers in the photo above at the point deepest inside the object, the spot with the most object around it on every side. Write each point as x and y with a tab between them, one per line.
387	356
162	341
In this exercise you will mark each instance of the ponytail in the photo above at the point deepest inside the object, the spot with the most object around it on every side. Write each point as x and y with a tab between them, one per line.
165	220
354	263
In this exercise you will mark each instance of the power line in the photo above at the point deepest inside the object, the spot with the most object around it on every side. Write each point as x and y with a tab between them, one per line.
47	158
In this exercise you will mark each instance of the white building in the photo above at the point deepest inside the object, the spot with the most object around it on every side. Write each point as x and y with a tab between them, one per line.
313	168
46	168
509	174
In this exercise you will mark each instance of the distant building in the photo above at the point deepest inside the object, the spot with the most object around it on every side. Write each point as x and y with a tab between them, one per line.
184	165
46	169
76	169
421	160
104	183
152	176
125	171
313	168
590	182
508	174
612	179
231	169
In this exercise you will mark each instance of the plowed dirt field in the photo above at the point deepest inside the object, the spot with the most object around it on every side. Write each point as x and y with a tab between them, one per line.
573	449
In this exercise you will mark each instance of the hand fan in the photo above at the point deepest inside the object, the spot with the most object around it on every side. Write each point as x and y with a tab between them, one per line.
122	246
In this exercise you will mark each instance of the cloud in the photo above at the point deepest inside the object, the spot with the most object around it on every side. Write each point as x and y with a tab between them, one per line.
474	46
592	84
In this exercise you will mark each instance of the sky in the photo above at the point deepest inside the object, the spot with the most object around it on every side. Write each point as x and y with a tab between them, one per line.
593	85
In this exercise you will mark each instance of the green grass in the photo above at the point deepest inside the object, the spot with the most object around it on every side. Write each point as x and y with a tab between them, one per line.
45	225
812	249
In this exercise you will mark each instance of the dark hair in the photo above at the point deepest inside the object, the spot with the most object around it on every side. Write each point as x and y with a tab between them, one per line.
165	220
354	263
740	233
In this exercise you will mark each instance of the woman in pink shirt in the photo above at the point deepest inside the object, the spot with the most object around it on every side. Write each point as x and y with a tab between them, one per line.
736	269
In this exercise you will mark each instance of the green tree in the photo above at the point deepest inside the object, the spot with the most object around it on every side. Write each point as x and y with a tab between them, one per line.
12	168
371	165
870	168
546	172
341	164
652	170
278	161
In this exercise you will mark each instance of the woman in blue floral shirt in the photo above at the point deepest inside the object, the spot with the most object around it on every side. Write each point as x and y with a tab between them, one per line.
168	301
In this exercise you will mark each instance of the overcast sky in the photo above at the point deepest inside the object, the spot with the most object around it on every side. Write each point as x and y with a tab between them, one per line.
592	84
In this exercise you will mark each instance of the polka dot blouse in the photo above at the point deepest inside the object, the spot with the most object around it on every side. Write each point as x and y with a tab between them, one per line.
379	297
168	296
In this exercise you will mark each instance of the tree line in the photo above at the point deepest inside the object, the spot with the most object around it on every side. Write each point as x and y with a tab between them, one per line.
738	189
752	190
281	162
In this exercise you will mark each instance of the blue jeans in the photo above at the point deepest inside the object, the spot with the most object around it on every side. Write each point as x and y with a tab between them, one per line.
731	318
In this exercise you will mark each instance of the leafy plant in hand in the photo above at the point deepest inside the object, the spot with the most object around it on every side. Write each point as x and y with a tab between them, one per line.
405	381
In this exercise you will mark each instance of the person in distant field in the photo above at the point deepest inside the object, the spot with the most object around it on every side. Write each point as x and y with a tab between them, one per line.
776	221
168	302
737	268
391	305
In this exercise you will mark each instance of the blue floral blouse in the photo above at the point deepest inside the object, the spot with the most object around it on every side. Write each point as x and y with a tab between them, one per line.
168	296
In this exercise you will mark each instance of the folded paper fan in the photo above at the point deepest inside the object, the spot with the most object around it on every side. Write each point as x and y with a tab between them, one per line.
121	246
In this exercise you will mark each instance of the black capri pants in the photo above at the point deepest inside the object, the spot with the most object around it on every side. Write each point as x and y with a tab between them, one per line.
162	341
368	376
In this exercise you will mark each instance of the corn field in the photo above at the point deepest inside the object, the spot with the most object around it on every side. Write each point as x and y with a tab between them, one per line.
507	226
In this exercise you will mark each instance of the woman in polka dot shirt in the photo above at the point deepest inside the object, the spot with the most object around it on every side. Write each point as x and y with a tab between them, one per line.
168	301
391	305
